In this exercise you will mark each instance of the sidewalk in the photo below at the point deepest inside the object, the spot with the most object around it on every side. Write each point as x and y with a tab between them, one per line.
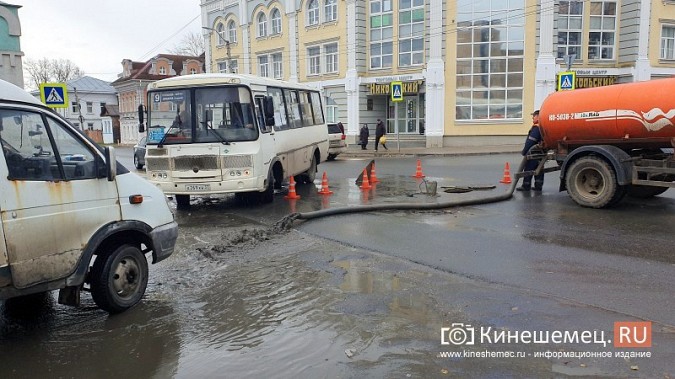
355	151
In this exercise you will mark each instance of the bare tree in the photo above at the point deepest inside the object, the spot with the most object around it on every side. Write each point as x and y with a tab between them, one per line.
55	70
192	45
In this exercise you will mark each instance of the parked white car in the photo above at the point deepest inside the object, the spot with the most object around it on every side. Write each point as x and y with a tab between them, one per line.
337	143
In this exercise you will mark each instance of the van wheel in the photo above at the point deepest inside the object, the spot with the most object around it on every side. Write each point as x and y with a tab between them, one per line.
331	157
119	279
183	201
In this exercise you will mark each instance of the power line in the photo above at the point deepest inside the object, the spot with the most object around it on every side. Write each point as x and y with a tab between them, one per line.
149	53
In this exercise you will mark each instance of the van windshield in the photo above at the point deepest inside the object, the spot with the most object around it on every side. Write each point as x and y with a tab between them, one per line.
217	114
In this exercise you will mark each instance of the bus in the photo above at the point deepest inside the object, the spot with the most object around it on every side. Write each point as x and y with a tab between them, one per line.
232	133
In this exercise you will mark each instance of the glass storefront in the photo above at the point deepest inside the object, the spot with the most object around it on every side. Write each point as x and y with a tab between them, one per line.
407	116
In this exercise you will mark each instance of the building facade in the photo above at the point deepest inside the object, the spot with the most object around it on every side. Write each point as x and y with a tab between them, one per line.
465	72
11	67
133	82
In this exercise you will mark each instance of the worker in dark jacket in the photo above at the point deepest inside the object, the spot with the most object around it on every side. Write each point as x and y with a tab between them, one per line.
533	139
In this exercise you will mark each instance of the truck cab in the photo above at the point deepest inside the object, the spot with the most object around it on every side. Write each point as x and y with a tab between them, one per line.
71	216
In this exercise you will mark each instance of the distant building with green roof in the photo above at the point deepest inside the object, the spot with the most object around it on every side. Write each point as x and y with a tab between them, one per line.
11	68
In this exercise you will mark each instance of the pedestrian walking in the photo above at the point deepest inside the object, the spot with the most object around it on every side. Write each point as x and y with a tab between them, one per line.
364	133
533	138
380	133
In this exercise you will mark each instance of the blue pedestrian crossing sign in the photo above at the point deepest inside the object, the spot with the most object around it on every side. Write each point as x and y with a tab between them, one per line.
396	91
567	80
54	95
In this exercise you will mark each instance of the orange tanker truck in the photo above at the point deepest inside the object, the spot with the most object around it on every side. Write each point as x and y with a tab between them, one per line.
611	141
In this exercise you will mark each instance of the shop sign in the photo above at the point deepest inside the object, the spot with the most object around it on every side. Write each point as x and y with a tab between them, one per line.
408	88
595	81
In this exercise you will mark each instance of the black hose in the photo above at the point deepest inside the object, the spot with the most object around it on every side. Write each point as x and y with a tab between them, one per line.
287	221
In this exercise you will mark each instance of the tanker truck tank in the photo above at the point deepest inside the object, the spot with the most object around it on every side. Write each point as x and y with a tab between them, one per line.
631	115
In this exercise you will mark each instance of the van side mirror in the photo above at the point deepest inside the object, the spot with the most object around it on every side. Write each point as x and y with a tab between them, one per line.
110	163
141	119
268	105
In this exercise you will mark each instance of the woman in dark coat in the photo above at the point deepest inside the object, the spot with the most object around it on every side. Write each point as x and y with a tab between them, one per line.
364	133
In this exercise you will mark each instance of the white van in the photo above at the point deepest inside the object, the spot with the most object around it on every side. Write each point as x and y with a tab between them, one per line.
72	217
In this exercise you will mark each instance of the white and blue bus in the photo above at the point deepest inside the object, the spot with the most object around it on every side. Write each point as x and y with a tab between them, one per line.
231	133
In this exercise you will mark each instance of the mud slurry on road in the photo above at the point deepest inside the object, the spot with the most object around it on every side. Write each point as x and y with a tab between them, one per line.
253	303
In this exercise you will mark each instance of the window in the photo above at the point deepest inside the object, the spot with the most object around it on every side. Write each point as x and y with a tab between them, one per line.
232	32
32	153
314	56
234	67
330	10
280	119
75	107
220	29
263	66
601	30
262	25
222	67
411	32
162	70
193	71
570	26
276	21
490	54
90	107
381	34
313	12
668	42
331	51
277	66
90	125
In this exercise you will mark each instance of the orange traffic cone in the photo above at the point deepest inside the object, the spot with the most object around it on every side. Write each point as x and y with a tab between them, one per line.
373	177
419	173
324	186
507	174
292	195
365	184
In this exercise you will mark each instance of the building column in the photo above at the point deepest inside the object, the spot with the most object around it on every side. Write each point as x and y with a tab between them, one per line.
643	68
434	123
546	67
292	41
352	76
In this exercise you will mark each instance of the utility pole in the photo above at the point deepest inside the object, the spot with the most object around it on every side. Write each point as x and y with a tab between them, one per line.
79	109
227	47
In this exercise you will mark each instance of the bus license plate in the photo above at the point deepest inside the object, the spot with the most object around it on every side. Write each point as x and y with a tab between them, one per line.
197	187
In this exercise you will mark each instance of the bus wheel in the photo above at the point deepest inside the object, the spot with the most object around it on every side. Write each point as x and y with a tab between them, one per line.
183	201
267	196
309	175
119	279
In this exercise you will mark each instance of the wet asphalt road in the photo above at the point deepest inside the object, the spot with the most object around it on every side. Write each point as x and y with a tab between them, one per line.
365	295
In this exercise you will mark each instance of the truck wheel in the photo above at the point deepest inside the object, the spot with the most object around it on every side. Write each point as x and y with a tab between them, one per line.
591	182
183	201
645	192
119	279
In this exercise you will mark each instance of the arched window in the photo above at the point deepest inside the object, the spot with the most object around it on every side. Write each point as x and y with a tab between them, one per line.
276	21
232	31
262	25
220	29
313	12
330	10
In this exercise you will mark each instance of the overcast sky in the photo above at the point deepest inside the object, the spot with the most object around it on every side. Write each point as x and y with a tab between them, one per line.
98	34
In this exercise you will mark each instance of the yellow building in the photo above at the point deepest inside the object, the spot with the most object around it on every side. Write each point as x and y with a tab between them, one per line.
463	72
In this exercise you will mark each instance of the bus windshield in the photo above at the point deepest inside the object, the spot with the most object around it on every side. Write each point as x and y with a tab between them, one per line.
208	114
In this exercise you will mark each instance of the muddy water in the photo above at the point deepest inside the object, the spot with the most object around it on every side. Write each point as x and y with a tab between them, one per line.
239	301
